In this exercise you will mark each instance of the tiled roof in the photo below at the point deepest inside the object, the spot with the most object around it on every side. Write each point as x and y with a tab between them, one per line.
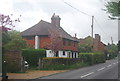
43	27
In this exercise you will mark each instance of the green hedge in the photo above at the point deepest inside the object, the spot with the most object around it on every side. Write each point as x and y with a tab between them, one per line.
59	61
92	58
32	55
111	56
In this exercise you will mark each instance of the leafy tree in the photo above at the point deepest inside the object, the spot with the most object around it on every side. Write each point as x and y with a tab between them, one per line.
56	42
16	42
112	48
113	8
5	23
86	46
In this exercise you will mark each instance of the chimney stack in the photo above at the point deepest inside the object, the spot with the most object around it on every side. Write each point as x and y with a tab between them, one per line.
55	19
97	37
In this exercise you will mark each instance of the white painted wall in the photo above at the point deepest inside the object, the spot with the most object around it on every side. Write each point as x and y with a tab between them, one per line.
76	55
60	54
36	42
49	53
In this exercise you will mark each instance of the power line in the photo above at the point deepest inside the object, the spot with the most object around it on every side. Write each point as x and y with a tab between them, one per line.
86	32
76	8
101	28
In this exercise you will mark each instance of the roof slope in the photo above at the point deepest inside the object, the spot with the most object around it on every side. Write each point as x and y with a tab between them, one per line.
43	27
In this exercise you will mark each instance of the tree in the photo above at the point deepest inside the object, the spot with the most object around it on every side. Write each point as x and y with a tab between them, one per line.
86	46
56	42
16	42
113	8
5	23
112	50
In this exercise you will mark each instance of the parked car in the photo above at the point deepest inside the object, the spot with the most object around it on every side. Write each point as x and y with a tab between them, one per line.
26	65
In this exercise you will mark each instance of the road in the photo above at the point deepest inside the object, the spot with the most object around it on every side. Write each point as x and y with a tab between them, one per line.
108	70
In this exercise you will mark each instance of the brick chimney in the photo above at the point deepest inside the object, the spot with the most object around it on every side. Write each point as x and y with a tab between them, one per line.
55	19
97	37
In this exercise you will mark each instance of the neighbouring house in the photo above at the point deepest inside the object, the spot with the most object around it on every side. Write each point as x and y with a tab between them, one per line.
98	45
38	36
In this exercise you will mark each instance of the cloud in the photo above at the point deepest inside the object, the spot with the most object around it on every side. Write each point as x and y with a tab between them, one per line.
72	21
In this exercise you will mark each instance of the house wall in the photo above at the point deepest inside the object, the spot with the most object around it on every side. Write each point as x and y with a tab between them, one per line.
61	54
101	47
68	54
49	53
70	47
30	42
44	41
97	46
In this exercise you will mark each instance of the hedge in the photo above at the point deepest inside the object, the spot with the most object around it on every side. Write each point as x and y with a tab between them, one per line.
59	61
92	58
111	56
32	55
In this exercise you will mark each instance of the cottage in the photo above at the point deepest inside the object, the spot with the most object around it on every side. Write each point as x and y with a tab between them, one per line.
38	36
97	44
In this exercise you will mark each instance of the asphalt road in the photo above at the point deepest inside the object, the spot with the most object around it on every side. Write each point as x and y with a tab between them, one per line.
108	70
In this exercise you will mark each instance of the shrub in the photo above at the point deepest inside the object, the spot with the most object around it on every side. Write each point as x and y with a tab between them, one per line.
33	55
92	58
64	67
59	61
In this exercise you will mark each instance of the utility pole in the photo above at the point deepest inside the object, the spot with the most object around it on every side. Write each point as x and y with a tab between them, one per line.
92	32
111	40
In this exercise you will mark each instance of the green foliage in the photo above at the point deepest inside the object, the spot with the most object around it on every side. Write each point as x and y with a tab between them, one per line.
92	58
113	9
65	67
16	42
86	47
112	50
60	61
5	37
32	55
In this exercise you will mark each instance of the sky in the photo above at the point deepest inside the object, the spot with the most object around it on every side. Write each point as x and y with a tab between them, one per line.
72	20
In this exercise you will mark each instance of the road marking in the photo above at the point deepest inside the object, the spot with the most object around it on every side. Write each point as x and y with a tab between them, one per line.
101	69
87	74
109	65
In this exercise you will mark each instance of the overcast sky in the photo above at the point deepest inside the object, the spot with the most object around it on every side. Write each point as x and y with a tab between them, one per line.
72	21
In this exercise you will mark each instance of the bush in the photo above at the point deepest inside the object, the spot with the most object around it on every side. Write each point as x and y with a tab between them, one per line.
92	58
59	61
111	56
32	55
65	67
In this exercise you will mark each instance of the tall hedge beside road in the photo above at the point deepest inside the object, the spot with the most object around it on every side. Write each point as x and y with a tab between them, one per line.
32	55
92	58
